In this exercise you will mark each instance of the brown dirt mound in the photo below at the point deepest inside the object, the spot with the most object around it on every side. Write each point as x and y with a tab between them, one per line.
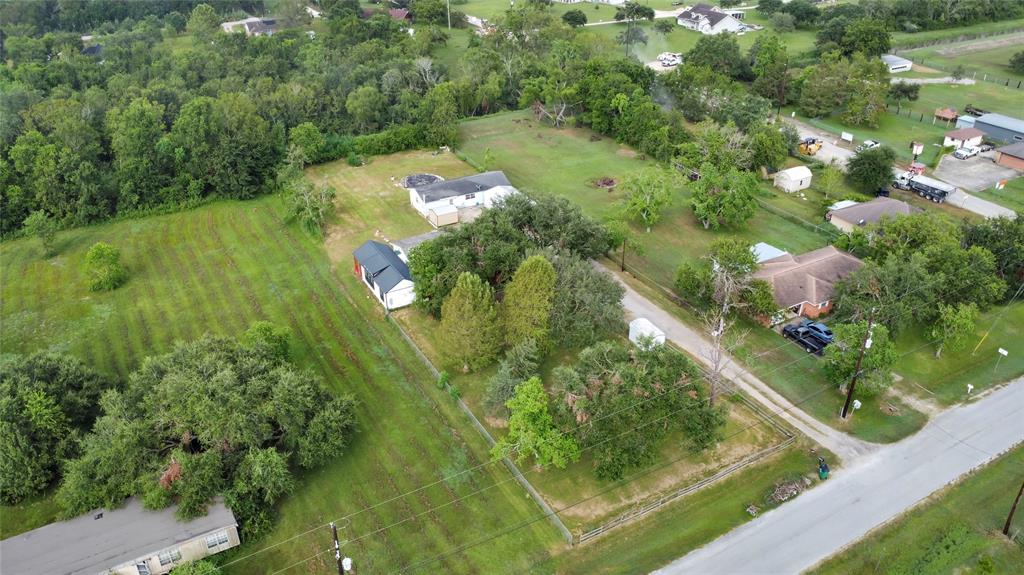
605	182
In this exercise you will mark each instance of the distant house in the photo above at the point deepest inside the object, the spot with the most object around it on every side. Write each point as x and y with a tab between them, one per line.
708	20
946	114
1011	156
1001	128
385	273
793	179
860	215
803	284
127	541
442	202
963	137
313	12
254	26
896	64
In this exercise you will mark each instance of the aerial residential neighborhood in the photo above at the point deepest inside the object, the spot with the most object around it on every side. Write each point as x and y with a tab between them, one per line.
479	286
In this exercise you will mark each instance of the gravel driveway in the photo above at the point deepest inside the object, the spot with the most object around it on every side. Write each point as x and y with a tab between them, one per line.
973	174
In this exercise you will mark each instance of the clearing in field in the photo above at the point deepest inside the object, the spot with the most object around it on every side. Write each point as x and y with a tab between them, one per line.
219	268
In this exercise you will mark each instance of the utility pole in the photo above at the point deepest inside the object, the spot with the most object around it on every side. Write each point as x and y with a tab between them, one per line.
865	344
337	548
449	4
1009	518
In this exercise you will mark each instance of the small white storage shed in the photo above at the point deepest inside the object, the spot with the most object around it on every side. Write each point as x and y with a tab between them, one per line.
642	327
793	179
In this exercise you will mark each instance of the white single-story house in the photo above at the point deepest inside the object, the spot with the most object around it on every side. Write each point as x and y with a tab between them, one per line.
254	26
896	64
641	328
793	179
963	137
764	252
440	202
130	540
384	272
708	20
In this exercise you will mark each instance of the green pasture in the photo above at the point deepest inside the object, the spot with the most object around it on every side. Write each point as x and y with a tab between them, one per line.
219	268
1012	196
980	57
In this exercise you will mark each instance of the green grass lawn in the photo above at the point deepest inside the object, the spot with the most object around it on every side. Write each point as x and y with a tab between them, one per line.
945	379
219	268
565	162
948	534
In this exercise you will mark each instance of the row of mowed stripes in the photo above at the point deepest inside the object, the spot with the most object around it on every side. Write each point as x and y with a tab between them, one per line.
219	268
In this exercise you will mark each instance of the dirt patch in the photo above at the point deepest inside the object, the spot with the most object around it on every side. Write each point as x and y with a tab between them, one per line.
605	183
624	152
925	69
982	45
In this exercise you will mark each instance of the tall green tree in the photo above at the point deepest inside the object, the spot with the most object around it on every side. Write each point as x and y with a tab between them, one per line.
840	359
470	333
520	363
953	326
203	22
42	226
723	197
103	263
136	136
867	36
532	432
721	53
648	193
526	308
871	169
632	13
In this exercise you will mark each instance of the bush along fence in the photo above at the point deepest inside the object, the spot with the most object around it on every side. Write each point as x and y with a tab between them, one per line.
549	513
638	512
1007	82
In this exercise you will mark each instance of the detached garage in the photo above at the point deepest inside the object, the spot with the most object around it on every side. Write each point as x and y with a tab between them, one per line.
793	179
385	274
1011	156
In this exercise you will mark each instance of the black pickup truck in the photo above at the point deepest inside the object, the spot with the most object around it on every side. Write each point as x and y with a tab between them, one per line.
804	338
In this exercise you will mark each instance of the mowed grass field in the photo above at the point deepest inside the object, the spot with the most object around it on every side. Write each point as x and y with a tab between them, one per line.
564	162
979	57
951	533
219	268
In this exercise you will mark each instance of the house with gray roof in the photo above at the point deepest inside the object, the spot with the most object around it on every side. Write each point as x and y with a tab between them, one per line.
803	284
129	540
708	20
441	202
858	215
384	273
1000	128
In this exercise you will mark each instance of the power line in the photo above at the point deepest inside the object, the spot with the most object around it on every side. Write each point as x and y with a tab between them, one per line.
696	364
530	521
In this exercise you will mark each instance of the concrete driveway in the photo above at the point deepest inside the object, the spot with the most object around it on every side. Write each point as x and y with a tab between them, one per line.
973	174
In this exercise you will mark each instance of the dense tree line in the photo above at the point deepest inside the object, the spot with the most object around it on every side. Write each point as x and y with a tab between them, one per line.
146	123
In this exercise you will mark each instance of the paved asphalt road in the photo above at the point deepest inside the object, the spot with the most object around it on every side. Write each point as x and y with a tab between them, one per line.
869	492
697	345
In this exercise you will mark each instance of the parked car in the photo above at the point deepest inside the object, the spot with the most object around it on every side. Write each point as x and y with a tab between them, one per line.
670	59
965	152
882	193
986	148
803	337
867	145
818	330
